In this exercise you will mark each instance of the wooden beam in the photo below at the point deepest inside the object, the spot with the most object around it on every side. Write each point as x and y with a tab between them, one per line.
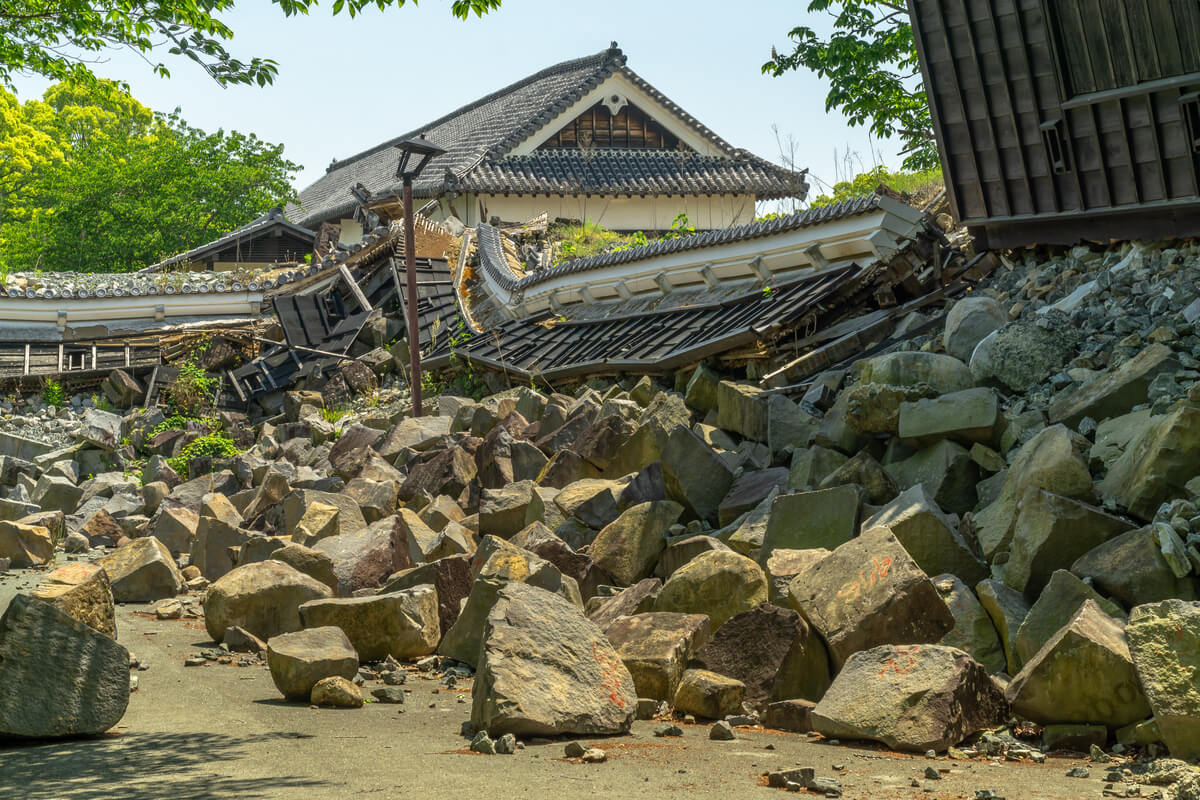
354	290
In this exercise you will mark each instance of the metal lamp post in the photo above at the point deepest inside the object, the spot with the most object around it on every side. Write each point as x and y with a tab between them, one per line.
424	151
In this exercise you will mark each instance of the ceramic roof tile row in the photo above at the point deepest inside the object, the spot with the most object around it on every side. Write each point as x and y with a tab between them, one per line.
634	172
491	249
487	130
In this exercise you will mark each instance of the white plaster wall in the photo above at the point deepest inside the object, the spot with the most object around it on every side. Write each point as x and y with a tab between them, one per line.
615	213
352	231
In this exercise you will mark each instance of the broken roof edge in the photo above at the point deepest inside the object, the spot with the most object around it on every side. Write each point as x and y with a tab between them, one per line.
493	262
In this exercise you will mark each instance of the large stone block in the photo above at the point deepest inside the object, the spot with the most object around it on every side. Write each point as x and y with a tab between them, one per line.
822	519
655	648
362	560
263	598
869	592
451	578
718	584
215	539
946	472
629	546
1116	391
142	571
1164	640
772	651
695	475
973	631
967	417
636	599
1008	609
1157	465
709	695
401	624
1062	597
25	545
943	373
58	676
969	321
1131	569
545	670
1085	673
742	409
299	660
82	591
913	697
929	536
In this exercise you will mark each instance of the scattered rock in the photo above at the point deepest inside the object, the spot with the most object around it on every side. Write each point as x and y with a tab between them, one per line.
299	660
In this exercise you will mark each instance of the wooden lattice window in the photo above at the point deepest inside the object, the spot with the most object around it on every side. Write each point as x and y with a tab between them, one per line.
629	128
1112	44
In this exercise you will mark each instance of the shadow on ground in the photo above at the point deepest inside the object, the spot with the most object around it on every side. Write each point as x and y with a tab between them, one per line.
144	766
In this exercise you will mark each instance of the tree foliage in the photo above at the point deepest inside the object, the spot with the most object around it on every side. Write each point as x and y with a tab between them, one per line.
94	181
918	185
871	63
57	38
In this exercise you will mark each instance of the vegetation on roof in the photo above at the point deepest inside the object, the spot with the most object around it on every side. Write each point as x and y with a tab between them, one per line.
918	187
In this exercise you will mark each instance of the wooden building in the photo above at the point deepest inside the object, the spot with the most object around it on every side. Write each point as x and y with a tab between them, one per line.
1066	120
262	244
584	139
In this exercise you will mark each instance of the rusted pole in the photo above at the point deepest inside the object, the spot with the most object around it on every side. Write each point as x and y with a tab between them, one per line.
410	258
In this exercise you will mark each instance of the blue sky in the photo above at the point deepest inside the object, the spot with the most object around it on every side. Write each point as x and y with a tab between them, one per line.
347	84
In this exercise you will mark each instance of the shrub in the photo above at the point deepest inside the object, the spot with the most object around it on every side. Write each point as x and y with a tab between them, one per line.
215	445
190	394
53	394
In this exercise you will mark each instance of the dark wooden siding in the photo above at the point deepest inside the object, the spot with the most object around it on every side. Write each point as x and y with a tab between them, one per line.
265	248
1035	147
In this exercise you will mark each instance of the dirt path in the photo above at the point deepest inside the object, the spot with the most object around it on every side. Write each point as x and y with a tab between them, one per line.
221	731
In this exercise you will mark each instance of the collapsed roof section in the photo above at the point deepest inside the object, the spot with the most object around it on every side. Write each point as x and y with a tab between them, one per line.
270	239
701	267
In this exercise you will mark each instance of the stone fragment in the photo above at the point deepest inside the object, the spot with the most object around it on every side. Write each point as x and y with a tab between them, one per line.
1131	569
504	511
176	528
721	731
319	521
944	374
1079	738
142	571
1116	391
545	670
788	425
1048	461
772	651
25	545
973	631
401	624
969	321
967	417
1062	597
82	591
58	676
1164	640
655	648
874	408
122	389
213	545
1084	674
629	546
364	559
101	428
695	475
811	465
335	692
1008	609
930	537
263	598
718	584
783	566
451	579
878	487
742	410
868	592
709	695
1157	465
701	393
636	599
826	519
299	660
592	501
312	563
789	715
946	472
1025	353
921	698
748	491
1050	533
506	564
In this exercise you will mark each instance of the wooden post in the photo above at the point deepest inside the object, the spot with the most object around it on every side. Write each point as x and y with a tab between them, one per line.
354	290
414	340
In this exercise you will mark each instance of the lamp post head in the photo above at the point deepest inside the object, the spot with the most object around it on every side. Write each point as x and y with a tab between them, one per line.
417	149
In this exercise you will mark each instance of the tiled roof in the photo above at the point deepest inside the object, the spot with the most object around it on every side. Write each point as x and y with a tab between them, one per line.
635	172
485	131
491	249
272	219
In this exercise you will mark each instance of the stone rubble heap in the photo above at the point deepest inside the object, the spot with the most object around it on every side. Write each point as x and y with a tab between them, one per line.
989	529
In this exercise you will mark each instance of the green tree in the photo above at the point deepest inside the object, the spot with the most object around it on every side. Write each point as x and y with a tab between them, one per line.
118	187
55	38
917	185
871	63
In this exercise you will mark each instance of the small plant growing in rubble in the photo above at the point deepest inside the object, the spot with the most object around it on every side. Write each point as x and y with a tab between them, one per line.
53	395
215	445
332	415
680	227
768	292
190	394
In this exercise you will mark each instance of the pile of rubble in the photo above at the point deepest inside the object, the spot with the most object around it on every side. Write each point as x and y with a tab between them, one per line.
994	527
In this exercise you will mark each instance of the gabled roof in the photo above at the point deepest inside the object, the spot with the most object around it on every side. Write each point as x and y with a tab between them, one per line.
268	223
479	136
